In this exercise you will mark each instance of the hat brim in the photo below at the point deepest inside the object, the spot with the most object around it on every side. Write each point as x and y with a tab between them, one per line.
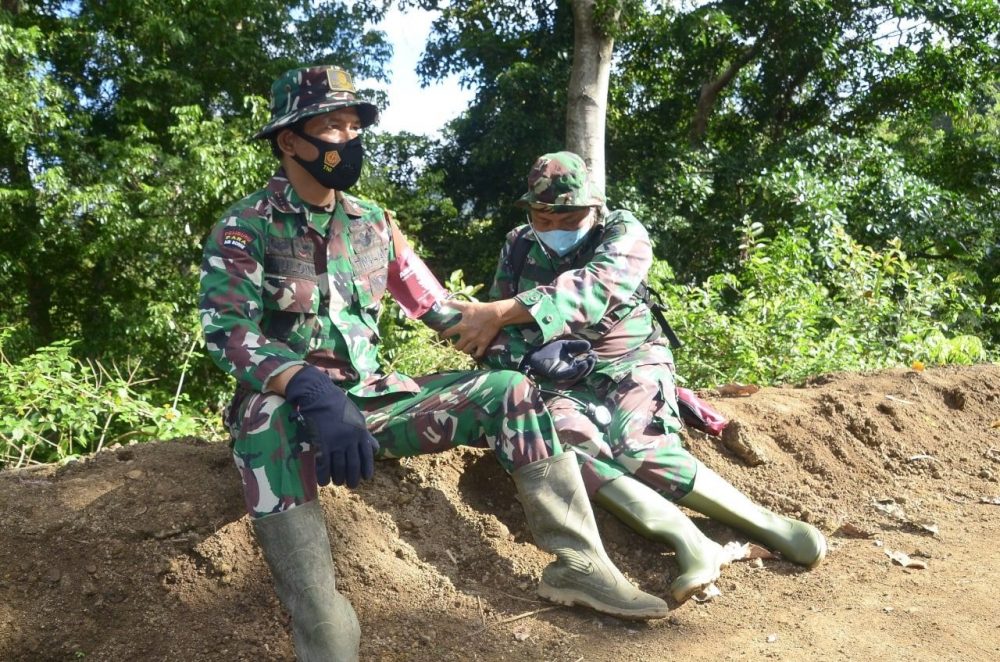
367	113
527	201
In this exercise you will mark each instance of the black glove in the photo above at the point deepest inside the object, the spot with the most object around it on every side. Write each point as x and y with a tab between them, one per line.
336	428
560	360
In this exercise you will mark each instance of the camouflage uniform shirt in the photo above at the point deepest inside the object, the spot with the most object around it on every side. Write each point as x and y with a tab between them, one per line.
284	282
589	294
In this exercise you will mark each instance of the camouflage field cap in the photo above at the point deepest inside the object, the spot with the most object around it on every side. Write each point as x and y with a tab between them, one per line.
309	91
558	182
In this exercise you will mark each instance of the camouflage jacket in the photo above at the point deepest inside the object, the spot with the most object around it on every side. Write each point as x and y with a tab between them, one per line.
284	282
590	294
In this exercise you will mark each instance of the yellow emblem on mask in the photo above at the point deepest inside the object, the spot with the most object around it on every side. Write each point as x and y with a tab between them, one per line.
331	160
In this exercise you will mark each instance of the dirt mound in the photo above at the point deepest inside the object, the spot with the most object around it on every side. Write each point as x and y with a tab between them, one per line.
143	552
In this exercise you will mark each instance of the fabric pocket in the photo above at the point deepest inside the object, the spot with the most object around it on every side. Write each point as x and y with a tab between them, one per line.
288	294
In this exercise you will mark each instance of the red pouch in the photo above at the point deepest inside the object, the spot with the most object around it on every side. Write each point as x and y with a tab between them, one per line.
698	414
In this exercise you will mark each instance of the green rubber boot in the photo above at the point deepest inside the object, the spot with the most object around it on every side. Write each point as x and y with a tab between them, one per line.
648	513
713	496
562	522
297	549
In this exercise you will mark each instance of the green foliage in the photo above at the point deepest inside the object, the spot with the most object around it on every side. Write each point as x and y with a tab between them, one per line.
781	317
54	407
879	118
414	349
123	138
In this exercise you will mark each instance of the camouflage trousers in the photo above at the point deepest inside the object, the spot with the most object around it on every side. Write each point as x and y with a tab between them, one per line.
643	439
498	409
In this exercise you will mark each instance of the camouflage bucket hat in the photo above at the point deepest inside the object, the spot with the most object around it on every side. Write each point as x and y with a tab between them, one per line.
301	93
560	182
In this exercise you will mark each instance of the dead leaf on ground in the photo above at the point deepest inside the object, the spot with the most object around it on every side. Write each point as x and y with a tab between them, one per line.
890	508
758	552
850	530
903	559
737	390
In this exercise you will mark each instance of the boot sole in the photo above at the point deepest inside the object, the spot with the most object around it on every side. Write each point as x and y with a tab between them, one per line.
684	593
571	597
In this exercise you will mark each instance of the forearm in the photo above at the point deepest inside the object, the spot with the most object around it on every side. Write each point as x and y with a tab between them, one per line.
511	311
481	322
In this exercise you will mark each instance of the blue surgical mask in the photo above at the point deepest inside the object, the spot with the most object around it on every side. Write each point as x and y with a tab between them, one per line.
562	242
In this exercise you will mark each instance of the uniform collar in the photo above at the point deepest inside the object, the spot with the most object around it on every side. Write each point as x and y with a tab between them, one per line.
283	197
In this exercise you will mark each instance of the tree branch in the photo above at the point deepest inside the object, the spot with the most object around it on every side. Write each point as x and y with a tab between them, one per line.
710	92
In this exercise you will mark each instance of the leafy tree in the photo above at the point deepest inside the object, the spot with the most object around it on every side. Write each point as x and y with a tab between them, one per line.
124	136
825	115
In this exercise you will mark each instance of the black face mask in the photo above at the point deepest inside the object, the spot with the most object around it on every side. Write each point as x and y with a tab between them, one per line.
338	165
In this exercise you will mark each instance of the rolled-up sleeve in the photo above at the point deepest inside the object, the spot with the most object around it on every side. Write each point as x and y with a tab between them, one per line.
580	298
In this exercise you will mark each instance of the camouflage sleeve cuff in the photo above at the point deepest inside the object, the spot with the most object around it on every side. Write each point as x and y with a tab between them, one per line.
545	312
277	371
505	351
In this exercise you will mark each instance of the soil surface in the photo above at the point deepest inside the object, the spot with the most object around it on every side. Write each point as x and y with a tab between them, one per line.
144	553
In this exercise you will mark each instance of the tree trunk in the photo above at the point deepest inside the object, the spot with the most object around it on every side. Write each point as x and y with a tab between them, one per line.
587	101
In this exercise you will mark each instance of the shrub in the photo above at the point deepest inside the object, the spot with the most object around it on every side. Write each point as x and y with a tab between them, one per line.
781	316
56	407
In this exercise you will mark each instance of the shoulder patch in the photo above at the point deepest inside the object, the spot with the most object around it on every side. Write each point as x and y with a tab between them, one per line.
236	238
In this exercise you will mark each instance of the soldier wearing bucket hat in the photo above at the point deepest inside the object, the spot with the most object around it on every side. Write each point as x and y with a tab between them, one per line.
568	308
292	284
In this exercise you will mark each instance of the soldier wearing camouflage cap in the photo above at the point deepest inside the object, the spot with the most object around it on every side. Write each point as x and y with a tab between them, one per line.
568	309
292	284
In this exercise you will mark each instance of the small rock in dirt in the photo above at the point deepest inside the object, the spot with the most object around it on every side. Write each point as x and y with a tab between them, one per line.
742	443
135	474
771	638
53	575
91	568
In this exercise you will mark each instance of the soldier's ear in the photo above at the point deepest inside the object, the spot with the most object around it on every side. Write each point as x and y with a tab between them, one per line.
284	143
